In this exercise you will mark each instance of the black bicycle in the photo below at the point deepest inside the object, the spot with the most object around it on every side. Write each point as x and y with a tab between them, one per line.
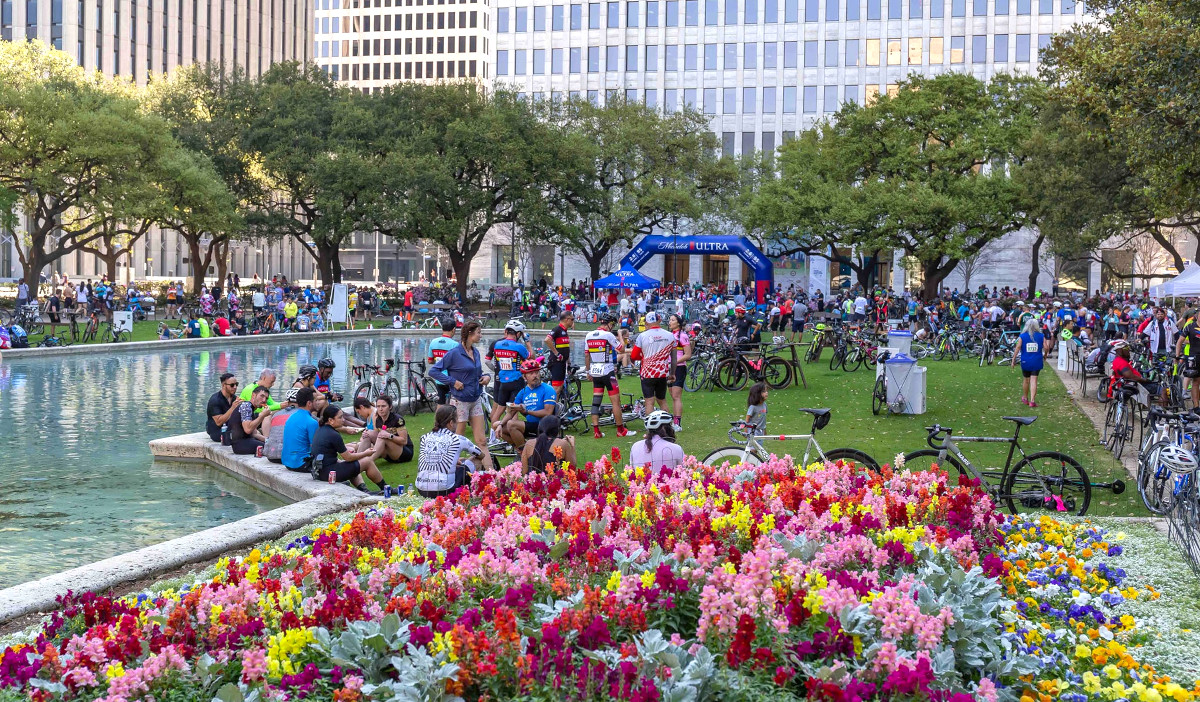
422	391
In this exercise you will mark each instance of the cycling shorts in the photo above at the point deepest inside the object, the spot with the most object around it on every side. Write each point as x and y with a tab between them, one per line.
654	388
606	383
558	370
443	392
506	392
680	376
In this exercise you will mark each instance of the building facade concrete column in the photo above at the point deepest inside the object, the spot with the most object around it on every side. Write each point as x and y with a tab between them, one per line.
1093	277
898	272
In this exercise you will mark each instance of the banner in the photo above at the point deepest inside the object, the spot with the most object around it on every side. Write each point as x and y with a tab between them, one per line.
339	304
818	276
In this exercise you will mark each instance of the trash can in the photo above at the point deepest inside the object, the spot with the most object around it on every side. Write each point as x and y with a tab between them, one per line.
900	339
905	385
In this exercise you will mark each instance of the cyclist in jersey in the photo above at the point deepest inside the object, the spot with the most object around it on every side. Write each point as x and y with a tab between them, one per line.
602	349
659	450
507	355
559	344
438	348
325	368
683	352
655	348
521	414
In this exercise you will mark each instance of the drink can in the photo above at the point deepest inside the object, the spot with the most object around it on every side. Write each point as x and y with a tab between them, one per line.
332	477
399	490
387	491
258	451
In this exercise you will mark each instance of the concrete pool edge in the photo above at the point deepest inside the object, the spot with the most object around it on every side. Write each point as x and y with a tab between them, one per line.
309	499
217	342
41	595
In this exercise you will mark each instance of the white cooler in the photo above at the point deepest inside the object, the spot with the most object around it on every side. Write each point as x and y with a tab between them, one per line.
900	339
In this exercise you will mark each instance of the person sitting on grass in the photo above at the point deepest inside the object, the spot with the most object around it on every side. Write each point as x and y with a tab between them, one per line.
385	433
441	468
659	450
298	433
306	377
531	404
550	447
245	433
333	462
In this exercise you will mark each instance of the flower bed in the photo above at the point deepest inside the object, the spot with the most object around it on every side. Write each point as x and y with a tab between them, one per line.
826	582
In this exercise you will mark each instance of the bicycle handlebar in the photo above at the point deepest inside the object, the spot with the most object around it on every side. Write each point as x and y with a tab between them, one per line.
934	432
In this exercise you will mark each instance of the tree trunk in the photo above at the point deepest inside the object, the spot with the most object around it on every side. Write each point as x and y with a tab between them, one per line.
222	259
325	265
1035	267
1176	257
32	262
462	271
594	259
335	255
934	272
110	265
197	266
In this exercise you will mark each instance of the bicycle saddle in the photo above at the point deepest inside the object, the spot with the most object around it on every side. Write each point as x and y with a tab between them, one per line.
815	412
1023	421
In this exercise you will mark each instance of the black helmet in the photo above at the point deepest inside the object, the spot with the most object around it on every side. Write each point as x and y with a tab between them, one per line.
609	318
326	363
307	371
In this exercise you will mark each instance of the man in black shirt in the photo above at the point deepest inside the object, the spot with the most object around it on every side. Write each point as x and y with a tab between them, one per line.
221	407
558	343
746	329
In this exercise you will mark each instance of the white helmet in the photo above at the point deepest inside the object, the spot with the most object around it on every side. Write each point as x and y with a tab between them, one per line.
515	325
658	418
1057	303
1178	459
1118	344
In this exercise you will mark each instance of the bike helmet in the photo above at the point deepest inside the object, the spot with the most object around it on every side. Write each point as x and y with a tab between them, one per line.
1177	459
1118	344
307	371
326	363
739	308
531	366
515	325
658	418
609	319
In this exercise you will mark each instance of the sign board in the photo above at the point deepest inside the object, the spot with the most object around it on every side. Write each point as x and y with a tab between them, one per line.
123	321
818	276
339	303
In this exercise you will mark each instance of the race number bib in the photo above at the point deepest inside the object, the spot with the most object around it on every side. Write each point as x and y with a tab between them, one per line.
597	369
506	364
1031	347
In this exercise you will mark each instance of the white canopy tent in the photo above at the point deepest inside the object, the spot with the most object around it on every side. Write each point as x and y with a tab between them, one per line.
1185	284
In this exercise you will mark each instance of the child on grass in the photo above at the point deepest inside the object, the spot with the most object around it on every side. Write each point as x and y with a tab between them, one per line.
756	412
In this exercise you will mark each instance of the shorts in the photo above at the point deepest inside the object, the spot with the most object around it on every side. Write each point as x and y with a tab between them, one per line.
654	387
461	477
797	325
1030	373
505	392
1191	367
246	446
466	410
912	319
680	376
54	319
558	371
606	383
408	308
344	470
531	429
443	392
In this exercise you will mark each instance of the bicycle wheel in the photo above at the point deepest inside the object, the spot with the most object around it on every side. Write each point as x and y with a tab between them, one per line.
392	389
731	454
879	396
1156	482
926	459
853	360
732	374
1122	427
120	336
849	454
838	357
777	373
983	353
941	349
1048	481
89	332
697	376
366	390
430	400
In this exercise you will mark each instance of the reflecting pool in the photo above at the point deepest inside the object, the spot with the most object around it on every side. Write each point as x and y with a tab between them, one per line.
80	483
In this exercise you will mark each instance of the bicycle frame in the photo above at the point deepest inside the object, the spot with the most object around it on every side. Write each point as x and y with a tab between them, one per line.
950	445
755	447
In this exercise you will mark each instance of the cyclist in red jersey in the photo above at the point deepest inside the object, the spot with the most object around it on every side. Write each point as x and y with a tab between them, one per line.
602	349
558	343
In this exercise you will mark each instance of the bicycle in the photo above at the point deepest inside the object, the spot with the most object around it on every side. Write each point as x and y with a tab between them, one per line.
113	334
1157	481
1120	419
702	368
1045	480
749	449
422	391
733	372
378	380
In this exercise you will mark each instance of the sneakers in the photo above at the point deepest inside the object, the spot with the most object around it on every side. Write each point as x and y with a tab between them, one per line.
1024	400
596	433
677	428
621	430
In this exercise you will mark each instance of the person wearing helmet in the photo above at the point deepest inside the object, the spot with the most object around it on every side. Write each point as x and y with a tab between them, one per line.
1122	369
506	356
558	341
602	350
747	330
659	450
325	368
438	348
273	449
655	348
306	377
522	413
1188	347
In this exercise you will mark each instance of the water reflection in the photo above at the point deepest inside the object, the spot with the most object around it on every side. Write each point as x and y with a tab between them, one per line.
80	483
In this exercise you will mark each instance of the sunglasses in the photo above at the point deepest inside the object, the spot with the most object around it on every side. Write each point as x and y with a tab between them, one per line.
231	385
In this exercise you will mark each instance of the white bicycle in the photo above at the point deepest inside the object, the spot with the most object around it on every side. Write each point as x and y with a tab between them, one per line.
751	451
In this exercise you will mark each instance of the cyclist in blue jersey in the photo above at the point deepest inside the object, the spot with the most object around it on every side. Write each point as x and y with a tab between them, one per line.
507	355
438	348
519	420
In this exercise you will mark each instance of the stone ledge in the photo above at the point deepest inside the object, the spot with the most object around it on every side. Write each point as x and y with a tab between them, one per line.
39	595
271	477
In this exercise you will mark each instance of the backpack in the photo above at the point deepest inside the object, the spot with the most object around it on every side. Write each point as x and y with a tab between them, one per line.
18	338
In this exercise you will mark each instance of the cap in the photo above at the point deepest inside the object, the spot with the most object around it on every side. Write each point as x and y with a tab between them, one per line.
651	318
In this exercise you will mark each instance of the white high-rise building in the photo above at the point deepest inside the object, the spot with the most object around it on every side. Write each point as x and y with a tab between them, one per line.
138	38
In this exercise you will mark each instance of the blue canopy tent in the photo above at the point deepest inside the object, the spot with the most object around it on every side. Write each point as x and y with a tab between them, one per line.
628	279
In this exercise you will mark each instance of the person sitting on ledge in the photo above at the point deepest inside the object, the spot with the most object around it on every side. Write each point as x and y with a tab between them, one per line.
221	406
328	447
244	428
273	449
385	433
266	379
298	433
306	377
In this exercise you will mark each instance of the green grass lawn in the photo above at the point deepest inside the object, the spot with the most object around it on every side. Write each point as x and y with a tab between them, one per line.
960	394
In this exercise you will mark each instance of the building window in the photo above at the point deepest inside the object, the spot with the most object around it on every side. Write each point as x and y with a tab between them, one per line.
729	101
710	101
671	58
539	62
575	60
873	12
710	57
651	58
831	53
914	51
770	105
501	63
750	12
731	57
750	56
894	56
632	14
789	100
831	101
1000	49
670	100
979	48
539	18
958	8
1023	7
749	100
593	59
958	47
770	11
936	51
789	54
810	99
672	13
691	13
577	17
727	143
771	55
710	12
1043	43
850	94
631	59
519	62
594	15
853	10
791	10
872	52
501	20
611	62
1022	48
852	52
614	15
690	57
810	54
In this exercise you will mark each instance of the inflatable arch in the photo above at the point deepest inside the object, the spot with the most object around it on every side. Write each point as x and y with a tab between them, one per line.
740	246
